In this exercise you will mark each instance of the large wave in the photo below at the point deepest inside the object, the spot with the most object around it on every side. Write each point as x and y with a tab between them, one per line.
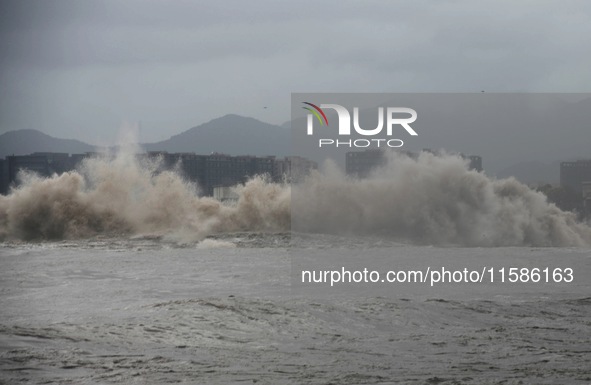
426	200
434	199
121	196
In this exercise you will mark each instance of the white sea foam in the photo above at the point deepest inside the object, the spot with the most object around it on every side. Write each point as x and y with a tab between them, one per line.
428	200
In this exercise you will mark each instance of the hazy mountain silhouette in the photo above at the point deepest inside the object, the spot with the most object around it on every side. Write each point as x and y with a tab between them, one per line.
239	135
25	142
230	134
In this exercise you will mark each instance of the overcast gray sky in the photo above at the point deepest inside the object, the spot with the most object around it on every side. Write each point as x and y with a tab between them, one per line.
81	69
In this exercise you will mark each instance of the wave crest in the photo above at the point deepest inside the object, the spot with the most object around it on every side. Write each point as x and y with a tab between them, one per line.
428	200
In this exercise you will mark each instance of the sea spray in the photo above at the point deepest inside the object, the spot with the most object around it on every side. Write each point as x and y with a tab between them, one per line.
122	195
425	200
433	199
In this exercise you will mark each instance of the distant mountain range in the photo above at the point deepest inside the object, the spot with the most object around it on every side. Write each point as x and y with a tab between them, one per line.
25	142
232	135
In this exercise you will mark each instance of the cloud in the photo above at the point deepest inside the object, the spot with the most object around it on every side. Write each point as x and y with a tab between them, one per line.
75	68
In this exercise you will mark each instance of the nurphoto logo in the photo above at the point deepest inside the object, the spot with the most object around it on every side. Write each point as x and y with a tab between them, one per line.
394	116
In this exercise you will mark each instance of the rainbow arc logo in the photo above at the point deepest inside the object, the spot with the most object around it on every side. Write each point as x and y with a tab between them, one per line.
317	111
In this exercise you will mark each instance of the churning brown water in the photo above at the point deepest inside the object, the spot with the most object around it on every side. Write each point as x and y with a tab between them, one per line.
428	200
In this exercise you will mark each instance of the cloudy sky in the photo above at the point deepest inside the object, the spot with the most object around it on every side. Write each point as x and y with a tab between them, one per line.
82	69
